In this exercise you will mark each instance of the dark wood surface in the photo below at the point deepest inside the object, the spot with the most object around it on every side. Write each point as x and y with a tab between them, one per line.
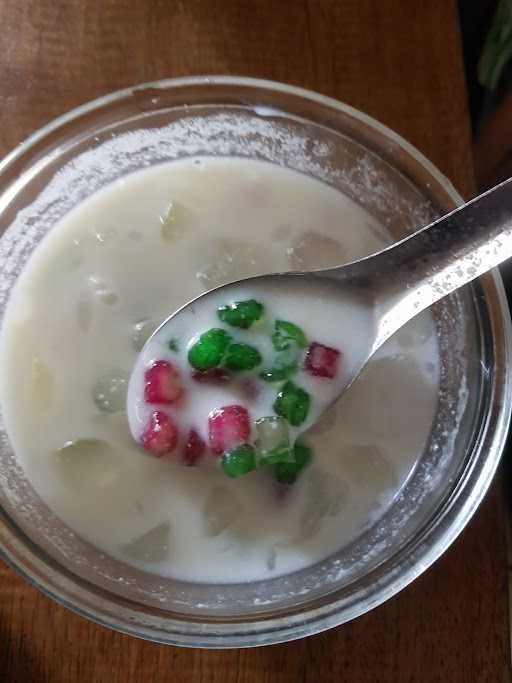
400	61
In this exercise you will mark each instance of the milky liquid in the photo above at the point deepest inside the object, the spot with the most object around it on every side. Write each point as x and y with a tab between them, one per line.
93	291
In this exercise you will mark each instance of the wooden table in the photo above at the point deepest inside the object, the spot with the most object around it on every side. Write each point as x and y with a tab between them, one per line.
400	61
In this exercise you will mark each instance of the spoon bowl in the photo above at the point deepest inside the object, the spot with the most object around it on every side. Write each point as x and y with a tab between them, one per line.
312	300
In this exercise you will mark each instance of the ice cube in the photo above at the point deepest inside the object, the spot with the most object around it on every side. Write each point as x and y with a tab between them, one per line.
230	260
316	507
272	436
173	222
87	464
325	496
152	546
142	331
101	290
326	422
313	250
390	398
416	332
109	392
220	510
369	469
108	298
42	384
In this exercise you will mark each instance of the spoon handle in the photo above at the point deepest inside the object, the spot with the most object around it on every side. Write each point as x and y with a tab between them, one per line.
411	275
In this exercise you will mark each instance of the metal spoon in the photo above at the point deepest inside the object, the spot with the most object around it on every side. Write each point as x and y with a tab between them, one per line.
401	281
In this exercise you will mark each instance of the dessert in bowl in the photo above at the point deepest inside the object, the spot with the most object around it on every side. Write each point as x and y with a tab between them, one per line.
121	213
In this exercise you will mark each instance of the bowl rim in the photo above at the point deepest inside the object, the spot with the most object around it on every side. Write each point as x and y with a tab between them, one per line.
450	522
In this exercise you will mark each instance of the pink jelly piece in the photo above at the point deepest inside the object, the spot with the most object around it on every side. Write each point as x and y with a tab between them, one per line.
194	448
228	427
162	383
213	376
160	436
322	361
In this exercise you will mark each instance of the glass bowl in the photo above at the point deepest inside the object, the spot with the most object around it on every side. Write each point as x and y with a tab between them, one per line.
82	151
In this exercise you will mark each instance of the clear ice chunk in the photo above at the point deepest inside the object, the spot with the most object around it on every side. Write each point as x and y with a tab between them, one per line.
108	298
87	464
173	222
391	398
313	250
101	290
152	546
327	422
220	510
325	496
272	436
109	392
42	384
230	260
416	332
368	468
